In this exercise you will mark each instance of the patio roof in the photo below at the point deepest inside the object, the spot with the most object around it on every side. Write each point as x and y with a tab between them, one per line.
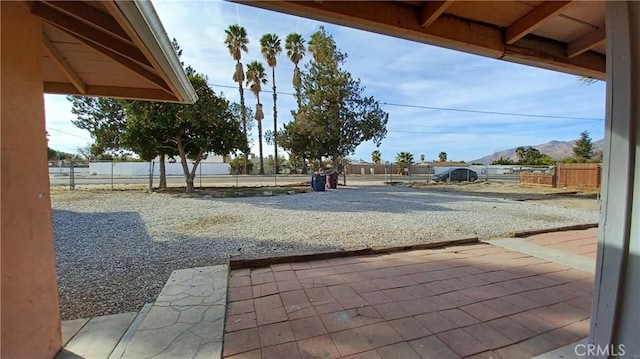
105	48
566	36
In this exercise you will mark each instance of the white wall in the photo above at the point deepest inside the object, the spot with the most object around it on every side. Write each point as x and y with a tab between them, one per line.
142	168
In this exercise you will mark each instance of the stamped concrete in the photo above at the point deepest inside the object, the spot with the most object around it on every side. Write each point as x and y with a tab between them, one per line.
98	338
187	319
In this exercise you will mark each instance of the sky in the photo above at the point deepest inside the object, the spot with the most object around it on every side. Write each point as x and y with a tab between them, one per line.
427	82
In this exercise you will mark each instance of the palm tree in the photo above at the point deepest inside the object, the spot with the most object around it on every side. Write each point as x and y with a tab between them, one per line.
375	157
256	77
270	48
404	160
442	156
294	44
237	42
421	158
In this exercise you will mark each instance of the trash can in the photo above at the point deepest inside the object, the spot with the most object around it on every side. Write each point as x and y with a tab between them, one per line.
333	180
318	182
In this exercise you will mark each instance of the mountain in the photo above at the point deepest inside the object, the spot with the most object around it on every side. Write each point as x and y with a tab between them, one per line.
556	149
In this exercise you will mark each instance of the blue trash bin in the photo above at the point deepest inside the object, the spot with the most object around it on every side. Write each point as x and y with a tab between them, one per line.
318	182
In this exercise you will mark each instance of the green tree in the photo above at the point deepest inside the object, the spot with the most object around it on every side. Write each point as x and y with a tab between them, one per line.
584	146
520	151
504	161
236	40
422	158
442	156
103	118
404	160
256	77
375	157
334	110
271	48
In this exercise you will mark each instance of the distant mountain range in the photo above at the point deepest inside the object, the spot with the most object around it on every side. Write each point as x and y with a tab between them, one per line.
556	149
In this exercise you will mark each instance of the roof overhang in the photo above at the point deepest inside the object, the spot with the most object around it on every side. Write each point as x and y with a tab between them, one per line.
109	48
566	36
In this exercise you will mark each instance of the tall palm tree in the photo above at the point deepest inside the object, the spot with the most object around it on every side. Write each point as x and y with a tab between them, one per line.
404	160
271	48
375	157
256	77
294	44
237	41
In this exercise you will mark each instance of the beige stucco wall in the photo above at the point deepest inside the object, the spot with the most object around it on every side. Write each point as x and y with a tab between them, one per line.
29	301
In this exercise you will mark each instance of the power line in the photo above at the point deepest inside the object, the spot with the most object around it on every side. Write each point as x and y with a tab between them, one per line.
68	134
492	112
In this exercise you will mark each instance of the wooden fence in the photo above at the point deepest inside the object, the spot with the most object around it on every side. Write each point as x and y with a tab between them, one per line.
568	175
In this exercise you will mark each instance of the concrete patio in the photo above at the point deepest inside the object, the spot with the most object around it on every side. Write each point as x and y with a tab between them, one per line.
476	300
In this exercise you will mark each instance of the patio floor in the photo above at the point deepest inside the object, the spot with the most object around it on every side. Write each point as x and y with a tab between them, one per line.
464	301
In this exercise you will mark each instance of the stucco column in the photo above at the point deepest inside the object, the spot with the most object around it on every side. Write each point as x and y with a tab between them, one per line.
616	306
30	313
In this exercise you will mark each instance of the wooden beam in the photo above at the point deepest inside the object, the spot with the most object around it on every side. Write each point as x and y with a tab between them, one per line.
64	66
587	42
432	10
88	33
403	21
533	19
146	94
91	16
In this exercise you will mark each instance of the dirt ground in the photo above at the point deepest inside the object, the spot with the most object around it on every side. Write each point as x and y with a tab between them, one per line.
566	198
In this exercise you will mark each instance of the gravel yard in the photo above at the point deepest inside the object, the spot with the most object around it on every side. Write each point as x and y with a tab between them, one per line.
115	250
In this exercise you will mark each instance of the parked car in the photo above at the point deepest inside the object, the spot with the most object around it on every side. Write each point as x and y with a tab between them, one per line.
457	175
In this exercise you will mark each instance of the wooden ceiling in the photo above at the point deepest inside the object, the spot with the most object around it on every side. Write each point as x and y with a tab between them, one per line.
567	36
91	48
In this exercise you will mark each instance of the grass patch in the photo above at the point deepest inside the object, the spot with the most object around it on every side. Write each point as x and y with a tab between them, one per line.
208	222
237	191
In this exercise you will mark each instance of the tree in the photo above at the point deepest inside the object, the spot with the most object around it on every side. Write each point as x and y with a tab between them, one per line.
404	160
584	146
294	44
271	48
191	131
442	156
104	118
375	157
504	161
236	40
334	111
256	77
520	153
422	158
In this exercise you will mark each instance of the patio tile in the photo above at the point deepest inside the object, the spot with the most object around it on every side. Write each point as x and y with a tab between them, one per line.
318	296
318	347
376	297
269	316
239	293
307	327
338	321
241	341
262	290
454	300
511	329
344	268
354	277
502	306
284	275
521	300
481	311
241	306
432	348
409	328
296	298
363	287
268	302
281	351
519	350
280	267
300	265
260	278
277	333
288	285
333	280
295	312
330	307
538	345
380	334
346	296
458	317
485	355
240	322
390	311
461	342
435	322
399	350
420	306
532	322
254	354
350	342
239	281
488	336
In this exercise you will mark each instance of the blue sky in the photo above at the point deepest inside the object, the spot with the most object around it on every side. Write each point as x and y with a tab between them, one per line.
394	71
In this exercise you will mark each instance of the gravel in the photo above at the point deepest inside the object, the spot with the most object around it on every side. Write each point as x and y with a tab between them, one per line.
115	250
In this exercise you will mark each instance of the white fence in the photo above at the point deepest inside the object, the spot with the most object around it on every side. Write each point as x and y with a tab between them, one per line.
142	168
